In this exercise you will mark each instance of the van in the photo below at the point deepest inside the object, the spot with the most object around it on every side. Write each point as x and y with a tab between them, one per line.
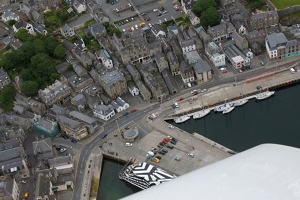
292	70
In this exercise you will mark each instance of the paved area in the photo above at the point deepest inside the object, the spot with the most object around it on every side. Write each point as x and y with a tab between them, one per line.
204	152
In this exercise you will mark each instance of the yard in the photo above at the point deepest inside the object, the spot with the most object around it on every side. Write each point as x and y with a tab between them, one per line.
281	4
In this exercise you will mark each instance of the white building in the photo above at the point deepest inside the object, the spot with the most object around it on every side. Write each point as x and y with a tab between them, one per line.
79	6
104	58
10	15
215	54
23	25
134	91
158	31
104	112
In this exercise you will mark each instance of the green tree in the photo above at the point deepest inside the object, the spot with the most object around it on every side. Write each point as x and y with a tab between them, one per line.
60	51
7	96
11	22
202	5
8	61
54	76
26	75
39	46
210	17
30	88
50	44
23	35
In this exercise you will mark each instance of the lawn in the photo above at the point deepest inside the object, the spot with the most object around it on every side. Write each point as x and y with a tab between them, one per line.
281	4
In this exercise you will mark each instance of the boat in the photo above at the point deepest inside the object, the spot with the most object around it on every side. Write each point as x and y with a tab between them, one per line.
201	113
228	110
240	102
181	119
264	95
222	107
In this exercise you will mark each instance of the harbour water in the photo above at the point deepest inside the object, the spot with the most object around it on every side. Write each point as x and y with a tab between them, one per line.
274	120
111	187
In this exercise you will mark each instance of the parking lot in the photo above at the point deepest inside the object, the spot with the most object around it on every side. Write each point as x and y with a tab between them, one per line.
124	14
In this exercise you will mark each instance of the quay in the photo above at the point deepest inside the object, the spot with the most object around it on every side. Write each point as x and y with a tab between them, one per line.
151	132
246	89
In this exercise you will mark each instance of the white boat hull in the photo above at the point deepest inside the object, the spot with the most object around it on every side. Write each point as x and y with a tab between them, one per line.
228	110
201	114
264	95
221	108
241	102
181	119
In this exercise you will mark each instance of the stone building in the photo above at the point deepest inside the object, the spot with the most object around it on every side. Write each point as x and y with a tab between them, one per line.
132	47
114	83
264	20
56	93
72	128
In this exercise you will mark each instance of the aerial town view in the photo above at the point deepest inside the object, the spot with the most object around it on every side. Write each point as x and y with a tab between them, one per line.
104	99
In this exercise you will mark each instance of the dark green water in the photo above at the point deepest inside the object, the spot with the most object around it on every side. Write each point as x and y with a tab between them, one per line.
274	120
111	187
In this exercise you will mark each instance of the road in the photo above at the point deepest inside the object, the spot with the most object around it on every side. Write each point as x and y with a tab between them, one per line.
86	151
111	127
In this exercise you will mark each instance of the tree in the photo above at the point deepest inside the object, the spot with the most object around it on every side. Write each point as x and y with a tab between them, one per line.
23	35
50	44
26	75
30	88
54	76
7	96
202	5
60	51
39	46
11	22
210	17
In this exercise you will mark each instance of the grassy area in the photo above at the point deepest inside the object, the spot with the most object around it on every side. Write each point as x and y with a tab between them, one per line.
291	17
281	4
94	187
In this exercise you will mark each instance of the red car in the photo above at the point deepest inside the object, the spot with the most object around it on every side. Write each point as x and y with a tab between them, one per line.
29	165
224	71
167	139
180	98
148	19
164	141
133	110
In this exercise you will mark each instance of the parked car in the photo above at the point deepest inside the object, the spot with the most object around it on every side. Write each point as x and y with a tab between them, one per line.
159	14
191	155
171	126
74	141
155	9
159	146
62	150
26	195
170	146
293	70
164	150
23	181
204	90
162	144
161	152
58	148
174	139
156	160
173	142
128	144
262	63
29	165
177	158
65	136
165	12
180	98
194	92
148	19
133	110
161	8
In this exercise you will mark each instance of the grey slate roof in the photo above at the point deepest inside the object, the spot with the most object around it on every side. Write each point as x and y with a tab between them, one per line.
79	99
10	154
120	101
169	80
45	124
82	117
103	109
67	121
58	161
12	163
58	109
9	144
6	187
184	68
42	146
276	39
96	28
201	66
111	77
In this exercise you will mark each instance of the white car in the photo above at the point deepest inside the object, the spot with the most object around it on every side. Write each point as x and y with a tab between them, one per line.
136	27
171	126
191	155
223	68
132	28
128	144
204	90
154	10
159	21
62	150
150	25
